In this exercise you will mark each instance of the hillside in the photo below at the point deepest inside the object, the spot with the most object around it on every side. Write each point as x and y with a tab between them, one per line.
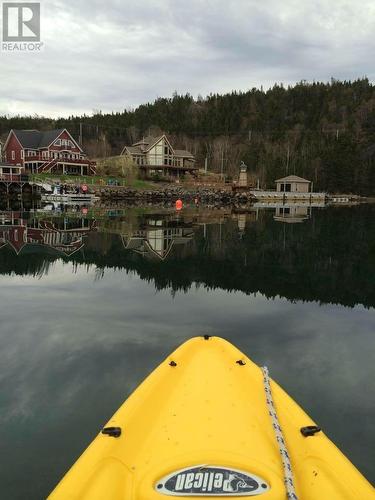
322	131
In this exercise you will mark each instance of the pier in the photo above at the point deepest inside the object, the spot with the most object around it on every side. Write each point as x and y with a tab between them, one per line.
18	184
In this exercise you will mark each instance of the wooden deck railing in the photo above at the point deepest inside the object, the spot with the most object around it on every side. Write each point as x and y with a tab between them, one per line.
14	177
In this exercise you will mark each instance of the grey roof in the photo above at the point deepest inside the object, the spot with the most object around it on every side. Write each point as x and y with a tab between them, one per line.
49	136
184	153
34	139
143	145
150	139
134	149
292	178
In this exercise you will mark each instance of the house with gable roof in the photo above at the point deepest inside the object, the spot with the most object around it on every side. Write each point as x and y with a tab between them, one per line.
156	155
54	151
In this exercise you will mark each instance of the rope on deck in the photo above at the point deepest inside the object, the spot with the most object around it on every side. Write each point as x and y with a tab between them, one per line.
285	458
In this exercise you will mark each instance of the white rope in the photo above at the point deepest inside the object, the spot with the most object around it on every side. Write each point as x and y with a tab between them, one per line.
285	459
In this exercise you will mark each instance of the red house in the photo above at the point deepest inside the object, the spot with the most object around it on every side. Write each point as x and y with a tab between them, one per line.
53	151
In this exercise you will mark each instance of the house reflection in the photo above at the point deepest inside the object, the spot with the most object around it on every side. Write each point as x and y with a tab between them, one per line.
292	214
60	235
156	237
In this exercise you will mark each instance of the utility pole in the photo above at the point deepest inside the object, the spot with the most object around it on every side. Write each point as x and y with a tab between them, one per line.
80	134
205	165
222	164
287	160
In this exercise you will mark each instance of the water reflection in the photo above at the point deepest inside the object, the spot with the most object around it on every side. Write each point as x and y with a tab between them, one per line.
157	236
292	214
100	316
61	236
323	255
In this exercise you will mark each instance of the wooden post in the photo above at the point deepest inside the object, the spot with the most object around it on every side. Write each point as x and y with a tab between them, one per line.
222	163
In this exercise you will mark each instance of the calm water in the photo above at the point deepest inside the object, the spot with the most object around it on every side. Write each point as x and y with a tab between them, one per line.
91	302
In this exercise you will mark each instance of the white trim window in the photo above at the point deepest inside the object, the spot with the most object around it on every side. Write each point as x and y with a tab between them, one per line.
57	142
13	155
22	154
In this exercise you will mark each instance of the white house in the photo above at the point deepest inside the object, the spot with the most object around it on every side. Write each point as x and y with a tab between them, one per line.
293	184
156	155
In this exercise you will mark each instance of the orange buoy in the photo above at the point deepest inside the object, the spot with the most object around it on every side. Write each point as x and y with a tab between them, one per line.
178	204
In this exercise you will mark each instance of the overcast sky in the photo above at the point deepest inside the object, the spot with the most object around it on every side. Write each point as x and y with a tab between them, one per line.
117	54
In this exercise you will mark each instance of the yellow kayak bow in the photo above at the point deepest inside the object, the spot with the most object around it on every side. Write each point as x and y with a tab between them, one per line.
202	425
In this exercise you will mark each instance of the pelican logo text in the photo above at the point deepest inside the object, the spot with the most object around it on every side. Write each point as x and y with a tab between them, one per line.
207	480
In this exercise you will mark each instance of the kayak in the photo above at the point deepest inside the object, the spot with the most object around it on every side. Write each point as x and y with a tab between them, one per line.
208	422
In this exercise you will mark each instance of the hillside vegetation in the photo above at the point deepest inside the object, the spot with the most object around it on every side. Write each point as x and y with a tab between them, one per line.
322	131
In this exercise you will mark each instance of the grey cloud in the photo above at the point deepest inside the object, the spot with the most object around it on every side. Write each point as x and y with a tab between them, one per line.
118	55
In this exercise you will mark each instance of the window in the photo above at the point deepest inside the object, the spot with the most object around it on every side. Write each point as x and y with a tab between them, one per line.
285	187
57	142
284	211
22	154
13	155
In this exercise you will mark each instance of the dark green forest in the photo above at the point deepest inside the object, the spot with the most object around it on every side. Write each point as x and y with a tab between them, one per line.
322	131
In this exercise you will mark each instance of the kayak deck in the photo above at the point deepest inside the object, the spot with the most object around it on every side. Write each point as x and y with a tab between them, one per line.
199	424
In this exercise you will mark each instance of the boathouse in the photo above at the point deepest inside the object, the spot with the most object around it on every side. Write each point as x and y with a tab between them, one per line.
156	155
293	184
53	151
293	213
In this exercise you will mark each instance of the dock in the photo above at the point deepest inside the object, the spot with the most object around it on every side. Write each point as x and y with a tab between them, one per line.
288	197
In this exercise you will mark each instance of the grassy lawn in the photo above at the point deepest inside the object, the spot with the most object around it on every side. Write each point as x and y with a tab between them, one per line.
91	180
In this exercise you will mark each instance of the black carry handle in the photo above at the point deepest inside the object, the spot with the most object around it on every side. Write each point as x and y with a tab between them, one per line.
310	430
112	431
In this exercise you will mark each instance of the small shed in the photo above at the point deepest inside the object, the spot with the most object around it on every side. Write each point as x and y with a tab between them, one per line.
293	184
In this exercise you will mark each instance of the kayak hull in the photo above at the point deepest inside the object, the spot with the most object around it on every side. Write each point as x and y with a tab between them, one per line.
200	420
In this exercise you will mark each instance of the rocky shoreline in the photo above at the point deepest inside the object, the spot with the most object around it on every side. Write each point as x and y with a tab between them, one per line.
205	195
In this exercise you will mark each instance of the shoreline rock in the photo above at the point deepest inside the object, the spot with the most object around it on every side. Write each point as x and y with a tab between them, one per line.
174	193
